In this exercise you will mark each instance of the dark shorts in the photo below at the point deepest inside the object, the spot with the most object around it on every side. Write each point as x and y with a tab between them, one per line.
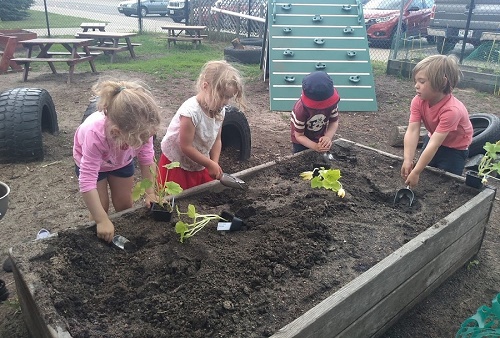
126	171
297	147
448	159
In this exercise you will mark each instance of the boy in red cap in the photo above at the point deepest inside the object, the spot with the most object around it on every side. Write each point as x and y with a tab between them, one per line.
315	116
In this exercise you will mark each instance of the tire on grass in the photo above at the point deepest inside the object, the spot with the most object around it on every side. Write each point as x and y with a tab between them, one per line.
236	132
249	55
25	113
486	129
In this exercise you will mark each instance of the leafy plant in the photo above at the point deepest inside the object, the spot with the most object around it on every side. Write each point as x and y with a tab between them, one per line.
490	162
325	178
197	222
161	191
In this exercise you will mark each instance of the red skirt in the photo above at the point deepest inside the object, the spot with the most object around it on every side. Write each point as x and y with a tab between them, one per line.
186	179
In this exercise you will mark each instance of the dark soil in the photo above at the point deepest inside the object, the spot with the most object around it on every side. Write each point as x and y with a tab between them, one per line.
298	246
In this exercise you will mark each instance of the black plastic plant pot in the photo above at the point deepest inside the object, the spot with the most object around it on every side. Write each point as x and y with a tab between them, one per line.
236	223
161	214
472	179
4	293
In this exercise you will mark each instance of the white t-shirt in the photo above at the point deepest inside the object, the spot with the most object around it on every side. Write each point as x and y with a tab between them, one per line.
206	130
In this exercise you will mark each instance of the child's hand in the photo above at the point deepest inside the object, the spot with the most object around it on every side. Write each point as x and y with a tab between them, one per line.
325	143
406	169
214	170
105	230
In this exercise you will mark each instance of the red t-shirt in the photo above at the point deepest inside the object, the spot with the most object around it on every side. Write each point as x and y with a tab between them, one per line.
311	122
448	115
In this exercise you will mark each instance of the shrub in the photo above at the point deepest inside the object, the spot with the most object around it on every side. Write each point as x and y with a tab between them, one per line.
15	10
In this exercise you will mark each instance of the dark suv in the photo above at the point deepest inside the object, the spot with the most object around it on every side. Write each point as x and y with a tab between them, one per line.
449	21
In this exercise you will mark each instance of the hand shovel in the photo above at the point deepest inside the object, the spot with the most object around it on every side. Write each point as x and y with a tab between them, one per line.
231	181
404	193
122	243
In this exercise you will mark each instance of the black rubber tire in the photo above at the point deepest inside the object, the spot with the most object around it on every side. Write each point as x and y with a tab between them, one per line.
252	41
25	113
249	55
486	129
236	132
91	108
177	20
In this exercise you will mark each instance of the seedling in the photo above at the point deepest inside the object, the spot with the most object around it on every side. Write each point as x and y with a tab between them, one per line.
325	178
489	162
161	191
197	222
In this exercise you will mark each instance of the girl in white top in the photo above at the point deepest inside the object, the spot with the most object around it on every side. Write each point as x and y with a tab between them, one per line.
193	137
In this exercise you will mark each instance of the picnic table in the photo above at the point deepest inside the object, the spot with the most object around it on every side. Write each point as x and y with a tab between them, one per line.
109	42
100	26
77	50
191	34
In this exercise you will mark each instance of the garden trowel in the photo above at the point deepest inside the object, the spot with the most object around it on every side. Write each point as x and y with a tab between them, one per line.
121	242
404	193
232	181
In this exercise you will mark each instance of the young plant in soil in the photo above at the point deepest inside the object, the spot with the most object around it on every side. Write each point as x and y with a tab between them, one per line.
161	191
195	224
489	162
325	178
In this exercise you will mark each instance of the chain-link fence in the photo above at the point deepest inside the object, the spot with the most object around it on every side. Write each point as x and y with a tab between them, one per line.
470	29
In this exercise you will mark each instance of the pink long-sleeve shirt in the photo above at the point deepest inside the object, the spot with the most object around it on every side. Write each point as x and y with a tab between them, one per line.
93	152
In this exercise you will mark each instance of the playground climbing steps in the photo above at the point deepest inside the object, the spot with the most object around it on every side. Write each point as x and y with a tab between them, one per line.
328	35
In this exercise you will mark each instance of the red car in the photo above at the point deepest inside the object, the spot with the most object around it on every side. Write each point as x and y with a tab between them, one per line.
382	16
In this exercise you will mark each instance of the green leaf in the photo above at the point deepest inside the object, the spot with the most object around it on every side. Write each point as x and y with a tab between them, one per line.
172	188
317	182
191	211
172	165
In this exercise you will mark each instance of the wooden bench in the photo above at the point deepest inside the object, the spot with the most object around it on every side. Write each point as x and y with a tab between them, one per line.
100	26
109	49
68	53
122	43
70	61
174	39
7	55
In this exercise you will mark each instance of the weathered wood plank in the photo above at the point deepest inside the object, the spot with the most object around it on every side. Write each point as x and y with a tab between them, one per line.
396	139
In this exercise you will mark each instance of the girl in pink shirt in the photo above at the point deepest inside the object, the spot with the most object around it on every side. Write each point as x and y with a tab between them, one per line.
443	115
105	145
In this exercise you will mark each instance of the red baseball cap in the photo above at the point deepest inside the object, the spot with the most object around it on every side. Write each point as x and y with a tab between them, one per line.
318	91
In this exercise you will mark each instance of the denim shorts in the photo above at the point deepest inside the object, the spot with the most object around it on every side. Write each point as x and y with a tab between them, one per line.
126	171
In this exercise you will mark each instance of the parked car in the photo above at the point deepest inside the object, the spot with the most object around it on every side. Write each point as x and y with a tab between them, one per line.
147	7
382	16
449	21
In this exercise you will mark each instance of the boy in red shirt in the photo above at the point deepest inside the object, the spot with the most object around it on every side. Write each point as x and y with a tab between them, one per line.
443	115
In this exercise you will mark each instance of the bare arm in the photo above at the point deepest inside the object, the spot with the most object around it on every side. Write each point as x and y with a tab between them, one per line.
105	228
427	155
411	138
147	172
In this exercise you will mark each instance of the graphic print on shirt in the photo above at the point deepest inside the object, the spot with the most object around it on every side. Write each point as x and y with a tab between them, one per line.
316	122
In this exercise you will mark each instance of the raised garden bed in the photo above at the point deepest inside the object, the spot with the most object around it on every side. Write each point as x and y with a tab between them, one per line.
327	266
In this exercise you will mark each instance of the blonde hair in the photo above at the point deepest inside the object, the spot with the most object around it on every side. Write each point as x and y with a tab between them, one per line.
442	71
221	76
130	108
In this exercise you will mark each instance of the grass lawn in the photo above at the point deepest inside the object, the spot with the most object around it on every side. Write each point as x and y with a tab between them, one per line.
37	20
